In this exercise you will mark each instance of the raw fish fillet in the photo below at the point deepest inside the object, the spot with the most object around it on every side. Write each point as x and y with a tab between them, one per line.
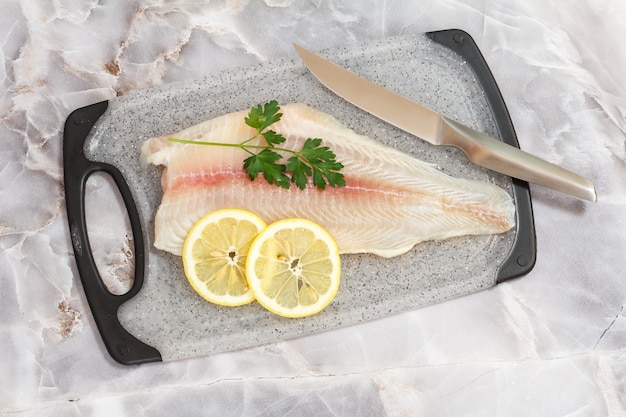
391	200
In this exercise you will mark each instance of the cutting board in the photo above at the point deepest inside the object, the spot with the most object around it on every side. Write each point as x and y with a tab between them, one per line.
162	318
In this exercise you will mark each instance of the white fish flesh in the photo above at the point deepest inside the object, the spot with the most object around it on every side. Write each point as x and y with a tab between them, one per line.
391	200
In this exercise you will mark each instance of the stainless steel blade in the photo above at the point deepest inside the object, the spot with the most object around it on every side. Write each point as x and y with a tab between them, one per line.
439	130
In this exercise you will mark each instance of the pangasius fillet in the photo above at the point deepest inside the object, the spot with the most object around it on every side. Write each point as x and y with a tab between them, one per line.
391	200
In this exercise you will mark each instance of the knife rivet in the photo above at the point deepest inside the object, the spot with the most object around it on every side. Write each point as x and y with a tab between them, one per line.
522	260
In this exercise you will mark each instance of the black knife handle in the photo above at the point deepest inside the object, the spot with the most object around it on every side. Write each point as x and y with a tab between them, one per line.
122	346
522	256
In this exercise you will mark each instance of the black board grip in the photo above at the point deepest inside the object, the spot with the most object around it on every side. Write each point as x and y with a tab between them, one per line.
521	258
121	345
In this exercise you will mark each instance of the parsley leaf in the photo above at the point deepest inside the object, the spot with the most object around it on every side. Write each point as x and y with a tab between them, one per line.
266	162
316	161
261	117
299	171
272	138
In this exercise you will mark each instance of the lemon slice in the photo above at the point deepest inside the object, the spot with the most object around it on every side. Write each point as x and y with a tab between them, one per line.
293	268
214	255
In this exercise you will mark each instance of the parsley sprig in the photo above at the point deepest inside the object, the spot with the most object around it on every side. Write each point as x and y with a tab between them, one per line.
312	161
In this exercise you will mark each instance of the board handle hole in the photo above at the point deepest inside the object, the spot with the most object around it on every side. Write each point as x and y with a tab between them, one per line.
109	232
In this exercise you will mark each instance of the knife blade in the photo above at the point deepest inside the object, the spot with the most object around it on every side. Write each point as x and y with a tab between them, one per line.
437	129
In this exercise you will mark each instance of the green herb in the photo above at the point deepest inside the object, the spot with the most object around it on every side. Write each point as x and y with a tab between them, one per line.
312	161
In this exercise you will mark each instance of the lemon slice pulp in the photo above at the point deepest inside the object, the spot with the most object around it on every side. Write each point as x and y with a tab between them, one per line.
293	268
214	255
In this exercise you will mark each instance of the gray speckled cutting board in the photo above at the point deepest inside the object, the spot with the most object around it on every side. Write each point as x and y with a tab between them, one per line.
168	315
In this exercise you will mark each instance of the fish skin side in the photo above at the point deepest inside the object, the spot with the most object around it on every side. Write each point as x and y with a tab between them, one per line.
391	201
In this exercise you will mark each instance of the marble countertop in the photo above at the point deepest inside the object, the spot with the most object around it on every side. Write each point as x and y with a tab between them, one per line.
552	343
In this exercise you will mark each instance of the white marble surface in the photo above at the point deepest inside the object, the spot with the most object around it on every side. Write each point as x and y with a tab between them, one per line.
552	343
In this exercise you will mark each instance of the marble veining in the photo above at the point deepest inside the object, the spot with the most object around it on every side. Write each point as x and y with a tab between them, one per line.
550	343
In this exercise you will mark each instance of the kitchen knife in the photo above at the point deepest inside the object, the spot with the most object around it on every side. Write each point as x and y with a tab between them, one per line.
426	124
